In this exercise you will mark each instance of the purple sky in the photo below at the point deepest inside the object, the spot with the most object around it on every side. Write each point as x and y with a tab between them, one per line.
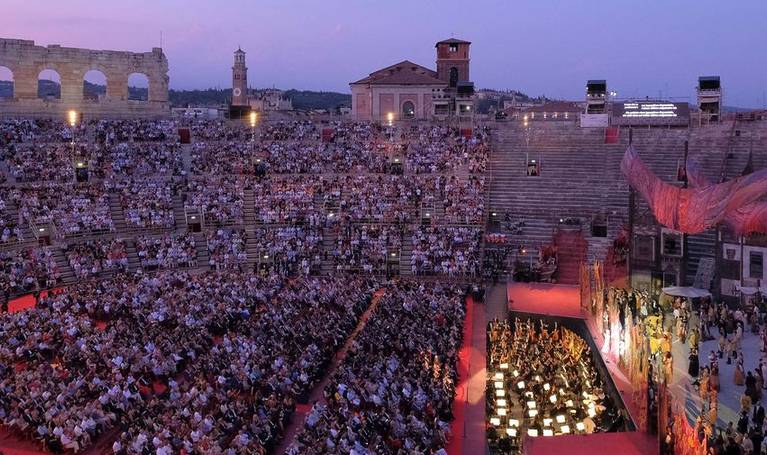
540	47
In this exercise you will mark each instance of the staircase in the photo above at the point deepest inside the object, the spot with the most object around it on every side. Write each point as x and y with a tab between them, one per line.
66	274
406	254
201	244
179	215
571	252
580	177
329	239
118	216
249	207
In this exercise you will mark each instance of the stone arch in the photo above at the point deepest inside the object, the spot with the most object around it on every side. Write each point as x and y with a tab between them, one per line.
139	86
94	84
6	83
49	84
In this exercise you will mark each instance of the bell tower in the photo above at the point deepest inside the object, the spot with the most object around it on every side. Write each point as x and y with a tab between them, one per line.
239	79
453	61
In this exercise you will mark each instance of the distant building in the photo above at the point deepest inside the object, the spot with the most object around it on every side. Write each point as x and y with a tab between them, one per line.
407	90
270	100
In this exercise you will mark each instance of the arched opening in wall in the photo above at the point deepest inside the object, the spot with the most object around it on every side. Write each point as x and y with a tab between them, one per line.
6	82
453	76
49	85
408	109
94	85
138	87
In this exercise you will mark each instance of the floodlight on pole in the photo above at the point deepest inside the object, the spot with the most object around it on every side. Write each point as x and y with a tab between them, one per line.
72	117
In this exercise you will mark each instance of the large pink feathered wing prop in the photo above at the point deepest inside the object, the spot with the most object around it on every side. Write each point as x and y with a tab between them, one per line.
691	210
751	218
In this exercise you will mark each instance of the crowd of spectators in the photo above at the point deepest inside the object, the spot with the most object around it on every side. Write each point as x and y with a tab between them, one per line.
395	396
177	362
72	208
220	199
167	251
289	250
226	248
147	203
193	361
432	149
27	270
367	248
95	256
445	250
10	231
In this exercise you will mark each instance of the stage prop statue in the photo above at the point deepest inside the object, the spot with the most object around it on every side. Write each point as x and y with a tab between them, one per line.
694	210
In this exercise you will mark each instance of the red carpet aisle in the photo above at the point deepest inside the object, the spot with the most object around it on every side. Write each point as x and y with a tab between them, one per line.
461	392
297	419
468	428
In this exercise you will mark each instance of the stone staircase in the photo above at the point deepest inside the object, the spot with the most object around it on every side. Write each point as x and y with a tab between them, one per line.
178	211
66	274
580	178
116	211
249	207
571	252
201	244
329	239
406	253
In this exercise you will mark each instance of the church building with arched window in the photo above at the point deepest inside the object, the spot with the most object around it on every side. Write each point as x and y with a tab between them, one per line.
407	90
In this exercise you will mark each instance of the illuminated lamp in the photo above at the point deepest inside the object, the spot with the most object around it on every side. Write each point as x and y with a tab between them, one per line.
72	117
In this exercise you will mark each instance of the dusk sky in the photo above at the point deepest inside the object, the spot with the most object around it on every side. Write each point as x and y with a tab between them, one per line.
539	47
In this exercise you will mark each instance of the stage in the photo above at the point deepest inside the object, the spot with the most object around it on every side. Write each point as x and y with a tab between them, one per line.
564	301
545	299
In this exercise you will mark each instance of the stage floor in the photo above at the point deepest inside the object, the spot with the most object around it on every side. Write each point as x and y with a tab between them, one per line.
625	443
546	299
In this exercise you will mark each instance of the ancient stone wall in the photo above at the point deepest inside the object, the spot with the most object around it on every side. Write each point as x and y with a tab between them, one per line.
26	60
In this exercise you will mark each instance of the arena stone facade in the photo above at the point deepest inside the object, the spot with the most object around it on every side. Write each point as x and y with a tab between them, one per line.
27	60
